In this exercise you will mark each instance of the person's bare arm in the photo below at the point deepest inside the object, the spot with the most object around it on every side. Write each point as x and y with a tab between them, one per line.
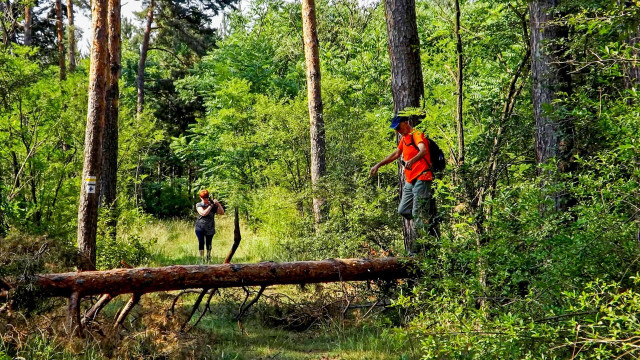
203	211
394	155
220	209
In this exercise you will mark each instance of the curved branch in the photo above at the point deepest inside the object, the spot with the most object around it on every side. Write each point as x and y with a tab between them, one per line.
172	53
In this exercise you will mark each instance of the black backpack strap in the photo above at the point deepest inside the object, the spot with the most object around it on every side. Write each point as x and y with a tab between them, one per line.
413	143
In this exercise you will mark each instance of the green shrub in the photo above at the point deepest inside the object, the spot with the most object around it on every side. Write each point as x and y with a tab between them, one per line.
165	199
131	249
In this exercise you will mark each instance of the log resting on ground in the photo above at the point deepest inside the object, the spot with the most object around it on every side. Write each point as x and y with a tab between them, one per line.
146	280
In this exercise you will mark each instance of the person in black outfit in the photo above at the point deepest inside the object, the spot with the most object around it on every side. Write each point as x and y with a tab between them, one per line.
206	224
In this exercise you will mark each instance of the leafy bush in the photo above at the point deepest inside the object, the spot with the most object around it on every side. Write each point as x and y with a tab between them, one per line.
165	199
131	249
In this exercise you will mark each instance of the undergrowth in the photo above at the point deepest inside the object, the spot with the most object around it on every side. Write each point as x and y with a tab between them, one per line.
336	321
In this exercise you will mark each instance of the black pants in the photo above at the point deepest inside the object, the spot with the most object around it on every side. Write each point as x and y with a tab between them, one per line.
202	238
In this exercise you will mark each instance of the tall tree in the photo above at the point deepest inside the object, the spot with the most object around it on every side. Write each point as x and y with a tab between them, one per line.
71	36
60	32
28	22
90	191
8	22
459	87
407	85
633	69
550	76
109	169
144	49
318	146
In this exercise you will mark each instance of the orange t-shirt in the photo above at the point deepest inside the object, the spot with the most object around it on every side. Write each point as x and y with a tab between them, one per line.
419	170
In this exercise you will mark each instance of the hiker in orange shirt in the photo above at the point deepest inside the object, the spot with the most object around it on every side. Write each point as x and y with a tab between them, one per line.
416	194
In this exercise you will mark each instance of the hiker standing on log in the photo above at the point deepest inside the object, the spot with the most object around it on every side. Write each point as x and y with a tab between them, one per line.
416	194
206	224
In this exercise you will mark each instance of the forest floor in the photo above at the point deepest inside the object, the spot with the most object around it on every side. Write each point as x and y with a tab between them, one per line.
328	321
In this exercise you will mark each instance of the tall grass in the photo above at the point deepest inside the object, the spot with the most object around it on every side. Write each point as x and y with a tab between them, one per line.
175	243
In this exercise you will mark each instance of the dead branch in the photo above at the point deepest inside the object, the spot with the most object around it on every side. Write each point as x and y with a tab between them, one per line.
90	315
193	310
73	314
243	310
122	314
236	237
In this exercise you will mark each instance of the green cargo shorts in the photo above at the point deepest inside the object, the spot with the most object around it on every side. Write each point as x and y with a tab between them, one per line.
416	204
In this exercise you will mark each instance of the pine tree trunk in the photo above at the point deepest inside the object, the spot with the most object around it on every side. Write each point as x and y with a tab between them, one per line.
143	57
459	87
60	32
28	23
632	70
550	76
179	277
110	145
90	191
71	37
407	85
318	146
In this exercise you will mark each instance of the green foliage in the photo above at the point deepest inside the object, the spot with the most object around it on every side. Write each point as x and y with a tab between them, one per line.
508	278
166	199
41	137
133	250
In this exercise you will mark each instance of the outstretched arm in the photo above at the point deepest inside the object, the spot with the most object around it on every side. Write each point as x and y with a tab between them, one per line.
394	155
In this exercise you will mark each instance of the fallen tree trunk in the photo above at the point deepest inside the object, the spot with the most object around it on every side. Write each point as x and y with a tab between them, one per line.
178	277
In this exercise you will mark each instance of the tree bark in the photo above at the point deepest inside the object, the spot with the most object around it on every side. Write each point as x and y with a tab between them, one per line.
550	77
407	85
73	314
459	87
146	280
632	78
133	301
9	33
28	23
90	191
60	32
143	57
237	237
318	145
71	29
110	146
